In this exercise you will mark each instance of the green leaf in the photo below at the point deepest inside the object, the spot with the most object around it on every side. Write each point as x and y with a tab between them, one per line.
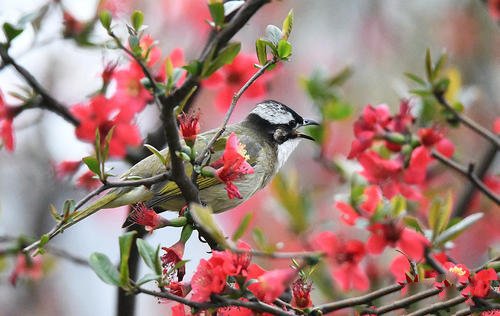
421	92
284	49
413	222
242	227
137	18
225	57
217	12
134	43
398	205
148	278
68	207
341	77
439	65
105	18
125	242
157	153
441	86
193	68
259	238
428	65
203	216
11	31
439	214
150	255
336	110
455	230
93	164
44	240
260	48
104	269
273	34
287	26
415	78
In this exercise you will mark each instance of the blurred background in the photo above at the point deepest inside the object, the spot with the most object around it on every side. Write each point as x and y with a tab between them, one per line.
379	40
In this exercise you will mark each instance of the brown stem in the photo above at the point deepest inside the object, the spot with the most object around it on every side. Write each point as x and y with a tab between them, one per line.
49	102
431	309
469	173
405	302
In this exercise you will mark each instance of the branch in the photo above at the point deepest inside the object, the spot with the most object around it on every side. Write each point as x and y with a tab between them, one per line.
49	102
404	303
494	139
468	173
431	309
221	302
355	301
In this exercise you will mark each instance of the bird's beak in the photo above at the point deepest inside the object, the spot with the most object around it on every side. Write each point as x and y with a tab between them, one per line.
307	122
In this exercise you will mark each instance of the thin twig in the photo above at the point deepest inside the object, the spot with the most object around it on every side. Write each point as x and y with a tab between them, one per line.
360	300
488	135
67	256
439	306
221	302
433	262
50	103
405	302
278	255
229	112
468	173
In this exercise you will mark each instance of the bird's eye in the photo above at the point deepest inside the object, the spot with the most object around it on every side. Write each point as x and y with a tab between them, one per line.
292	123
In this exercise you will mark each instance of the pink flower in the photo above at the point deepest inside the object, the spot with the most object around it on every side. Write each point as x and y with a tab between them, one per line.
272	284
396	235
7	114
345	257
230	78
173	255
235	263
26	267
232	165
189	126
67	168
480	283
209	278
349	215
496	123
179	310
494	9
104	114
88	181
144	216
301	293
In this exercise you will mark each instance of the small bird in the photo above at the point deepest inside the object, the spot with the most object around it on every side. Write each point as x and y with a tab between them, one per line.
269	134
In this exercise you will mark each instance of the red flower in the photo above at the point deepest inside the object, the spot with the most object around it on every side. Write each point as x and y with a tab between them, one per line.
347	213
27	267
494	9
144	216
456	273
272	284
173	255
179	310
189	126
480	283
345	257
129	89
402	121
67	168
301	293
177	288
72	27
396	235
104	114
231	78
232	165
108	72
235	263
88	181
401	270
430	137
209	278
7	114
496	124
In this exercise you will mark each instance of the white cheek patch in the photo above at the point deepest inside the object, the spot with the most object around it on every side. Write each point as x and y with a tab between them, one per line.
273	113
285	150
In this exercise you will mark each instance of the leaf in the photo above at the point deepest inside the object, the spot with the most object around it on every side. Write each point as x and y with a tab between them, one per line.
93	164
259	238
148	278
455	230
336	110
203	216
284	49
125	242
217	12
134	43
169	67
273	34
260	48
414	223
68	207
428	65
415	78
225	57
287	26
10	31
398	205
242	227
341	77
439	65
150	255
232	6
157	153
105	18
104	269
137	18
193	68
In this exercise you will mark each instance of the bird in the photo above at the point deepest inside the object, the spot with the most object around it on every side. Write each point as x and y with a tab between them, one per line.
269	134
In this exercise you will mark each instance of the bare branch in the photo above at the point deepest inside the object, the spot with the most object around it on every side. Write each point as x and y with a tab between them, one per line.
431	309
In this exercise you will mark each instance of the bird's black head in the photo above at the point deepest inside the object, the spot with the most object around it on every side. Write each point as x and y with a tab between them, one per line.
278	121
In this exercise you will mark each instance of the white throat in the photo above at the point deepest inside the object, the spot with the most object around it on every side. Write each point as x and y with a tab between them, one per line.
285	150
